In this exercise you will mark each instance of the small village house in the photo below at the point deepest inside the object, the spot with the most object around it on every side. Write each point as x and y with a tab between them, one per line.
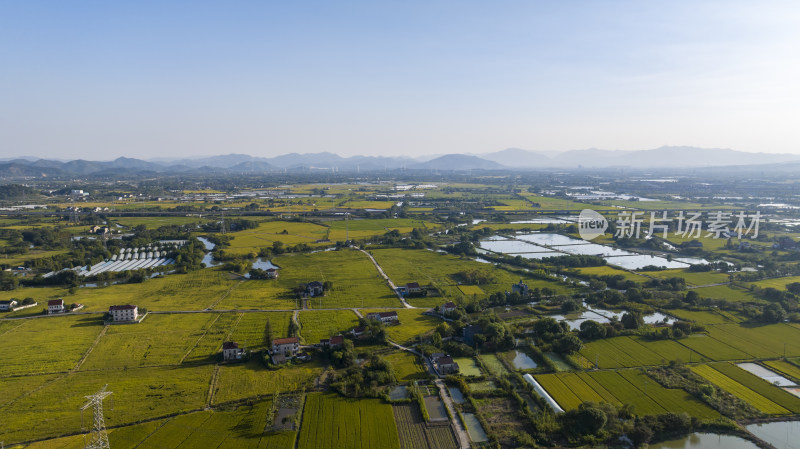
384	317
333	342
231	351
125	313
286	346
445	365
449	307
272	273
8	305
55	306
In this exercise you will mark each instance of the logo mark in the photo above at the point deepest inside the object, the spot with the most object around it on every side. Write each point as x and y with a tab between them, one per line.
591	224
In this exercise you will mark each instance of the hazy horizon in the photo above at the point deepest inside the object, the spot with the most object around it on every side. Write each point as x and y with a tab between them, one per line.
102	80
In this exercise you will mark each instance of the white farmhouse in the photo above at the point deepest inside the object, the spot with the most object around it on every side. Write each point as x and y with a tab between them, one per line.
121	314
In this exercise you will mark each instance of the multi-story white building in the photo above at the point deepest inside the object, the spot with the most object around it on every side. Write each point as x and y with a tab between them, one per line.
123	313
55	306
286	346
231	351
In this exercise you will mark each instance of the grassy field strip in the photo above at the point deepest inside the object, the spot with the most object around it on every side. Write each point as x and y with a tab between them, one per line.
760	386
625	392
229	336
225	295
48	345
742	339
711	349
212	387
673	400
316	325
91	348
252	379
201	337
583	391
599	389
330	421
415	434
742	392
784	368
175	431
413	322
562	394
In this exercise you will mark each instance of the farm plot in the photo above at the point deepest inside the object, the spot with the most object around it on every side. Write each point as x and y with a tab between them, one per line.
441	271
158	340
193	291
742	392
467	366
259	295
705	348
415	434
48	345
715	316
760	386
412	324
626	352
626	393
360	229
250	330
607	270
563	395
318	324
140	394
253	379
673	400
470	290
786	368
268	232
355	280
330	421
765	341
406	366
727	293
492	363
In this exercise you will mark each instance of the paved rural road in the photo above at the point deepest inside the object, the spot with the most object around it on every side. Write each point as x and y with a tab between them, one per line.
389	281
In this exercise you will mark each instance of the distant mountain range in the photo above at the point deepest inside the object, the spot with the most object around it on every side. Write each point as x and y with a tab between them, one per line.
509	159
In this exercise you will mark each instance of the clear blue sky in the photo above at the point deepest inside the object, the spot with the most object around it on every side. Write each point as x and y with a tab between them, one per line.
145	79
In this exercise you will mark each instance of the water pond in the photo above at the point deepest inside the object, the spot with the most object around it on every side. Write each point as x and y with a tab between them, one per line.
474	428
705	441
781	434
523	361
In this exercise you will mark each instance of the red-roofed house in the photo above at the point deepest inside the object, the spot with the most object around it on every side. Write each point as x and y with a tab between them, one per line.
334	342
55	306
122	314
272	273
449	307
286	346
231	351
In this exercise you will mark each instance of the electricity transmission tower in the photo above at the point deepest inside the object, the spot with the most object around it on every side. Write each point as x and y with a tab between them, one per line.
99	438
